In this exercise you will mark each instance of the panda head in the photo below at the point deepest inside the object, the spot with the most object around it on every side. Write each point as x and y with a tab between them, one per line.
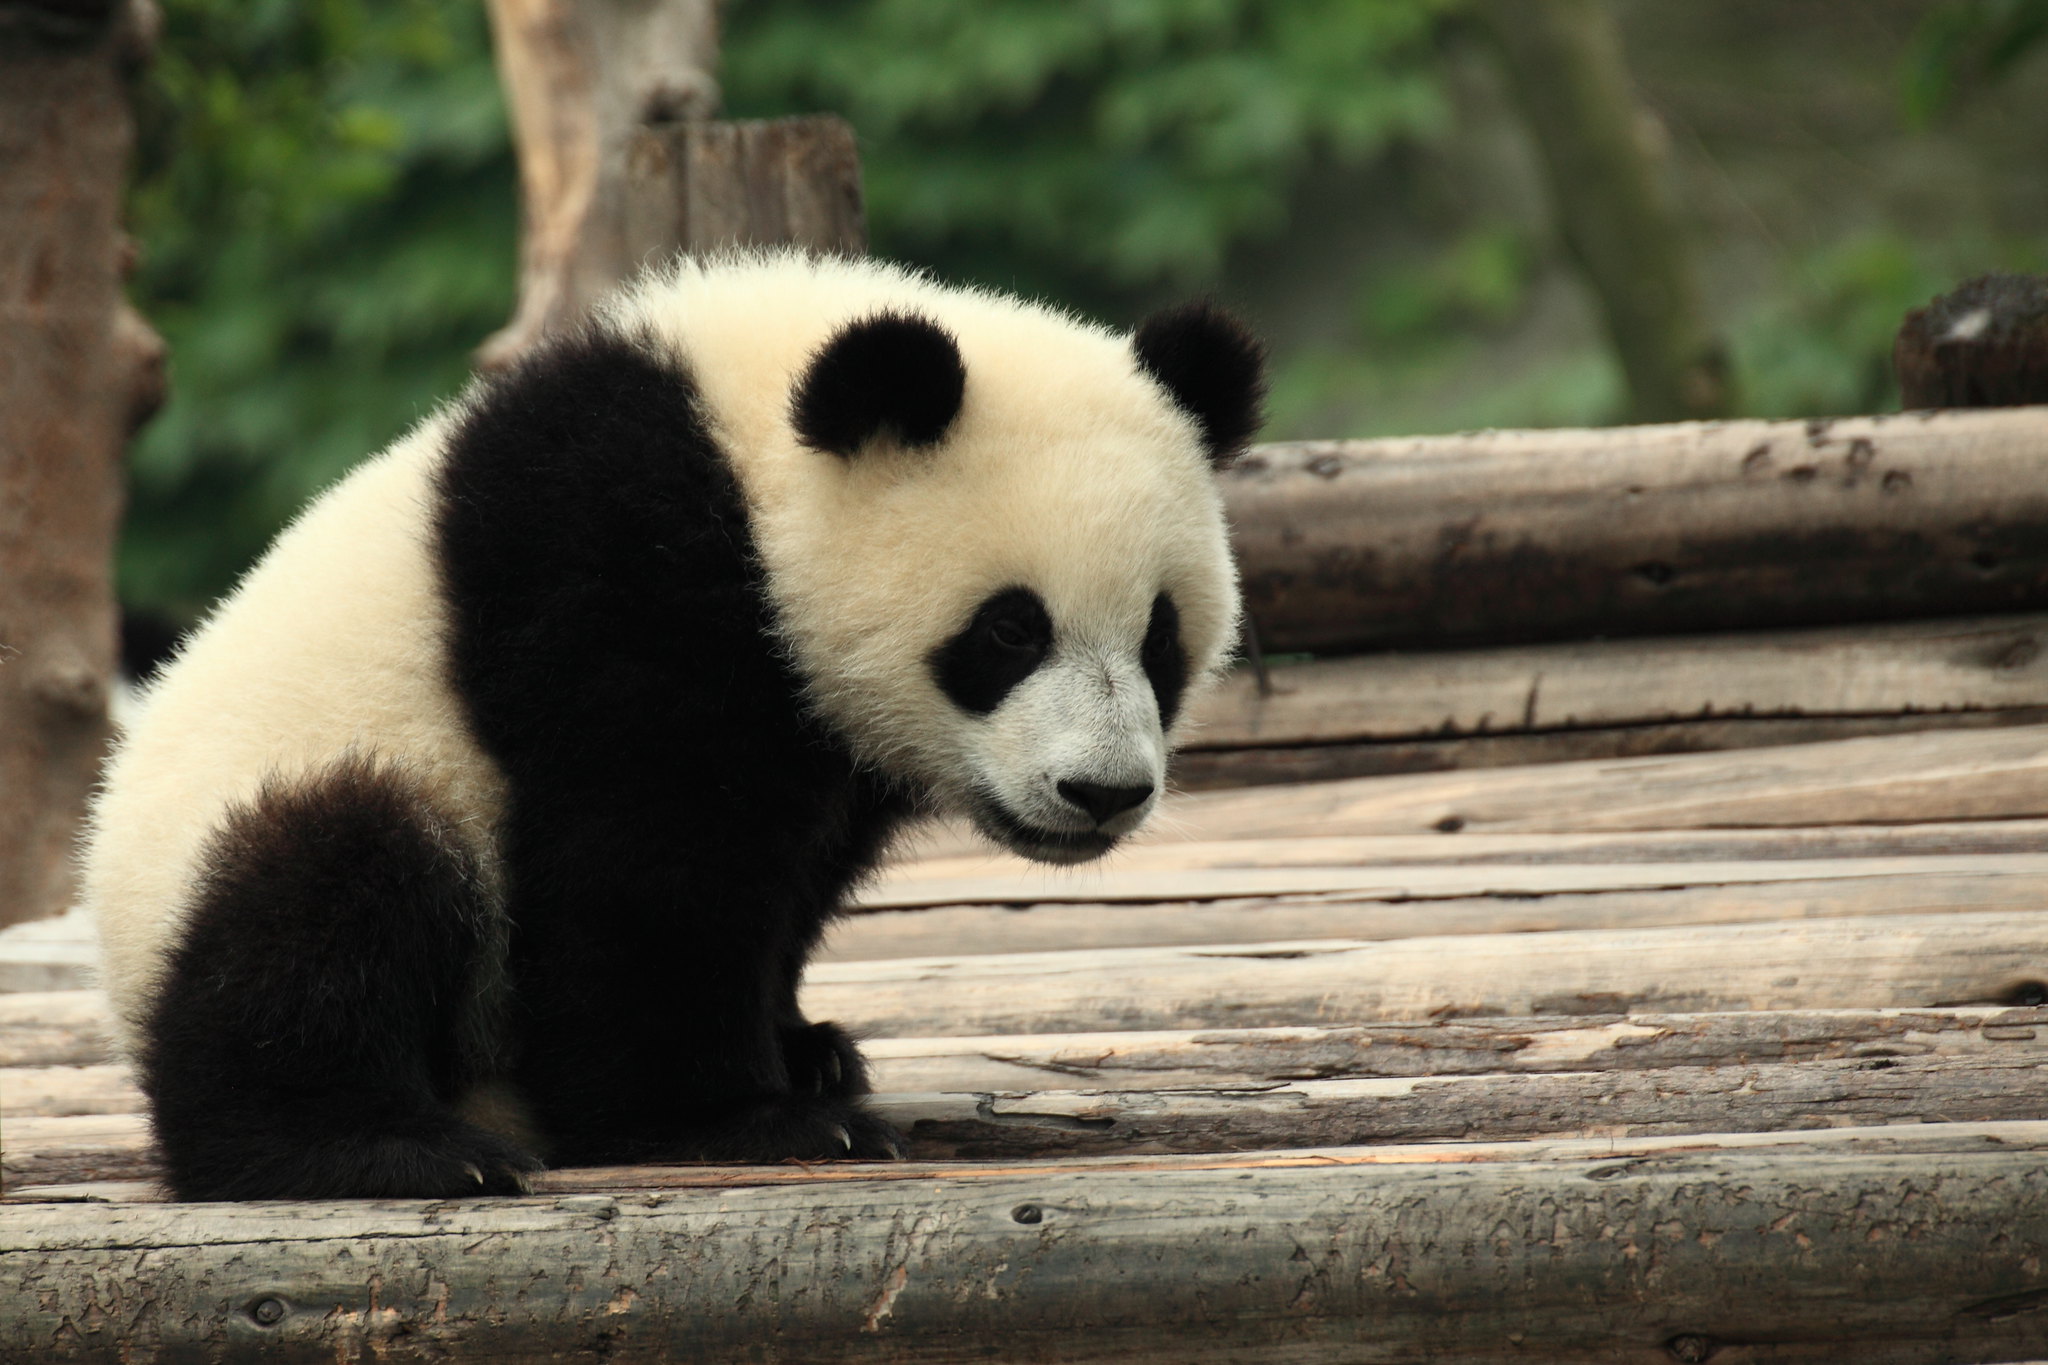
1004	567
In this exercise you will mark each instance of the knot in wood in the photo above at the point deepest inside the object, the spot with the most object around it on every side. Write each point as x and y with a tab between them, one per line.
1689	1347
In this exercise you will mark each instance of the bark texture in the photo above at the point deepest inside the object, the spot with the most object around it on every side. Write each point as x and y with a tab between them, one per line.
78	372
619	166
1522	536
1871	1250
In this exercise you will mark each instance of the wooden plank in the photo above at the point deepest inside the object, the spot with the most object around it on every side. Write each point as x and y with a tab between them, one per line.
53	1028
1873	962
1100	884
1828	1251
1532	535
1022	926
1939	778
1252	1116
1158	848
1979	664
53	1091
1166	1059
1188	1058
1762	1097
1895	779
1268	765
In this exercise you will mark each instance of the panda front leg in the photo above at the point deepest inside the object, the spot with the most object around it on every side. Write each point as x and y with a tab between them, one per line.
651	1035
304	1040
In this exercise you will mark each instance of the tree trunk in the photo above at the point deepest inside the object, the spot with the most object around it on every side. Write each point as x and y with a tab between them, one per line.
78	372
1564	60
581	78
619	166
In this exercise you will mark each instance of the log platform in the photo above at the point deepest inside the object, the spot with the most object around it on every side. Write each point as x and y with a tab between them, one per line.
1724	1056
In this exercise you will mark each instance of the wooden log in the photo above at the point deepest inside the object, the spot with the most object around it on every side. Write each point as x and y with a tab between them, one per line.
1198	770
1237	1057
1391	712
62	1091
1158	849
1894	779
1935	778
1425	881
1875	1250
1021	925
1252	1116
54	1028
1168	1059
1545	535
1760	1098
1872	962
1255	1057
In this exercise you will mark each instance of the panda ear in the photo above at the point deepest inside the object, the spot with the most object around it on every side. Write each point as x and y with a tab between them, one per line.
1213	367
890	372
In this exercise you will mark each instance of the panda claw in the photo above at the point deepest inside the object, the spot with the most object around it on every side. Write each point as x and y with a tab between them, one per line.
475	1171
845	1138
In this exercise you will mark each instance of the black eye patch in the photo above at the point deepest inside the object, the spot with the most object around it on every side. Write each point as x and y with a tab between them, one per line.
1001	645
1166	663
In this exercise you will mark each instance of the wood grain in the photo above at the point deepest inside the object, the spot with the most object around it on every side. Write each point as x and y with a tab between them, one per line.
1855	1248
1520	536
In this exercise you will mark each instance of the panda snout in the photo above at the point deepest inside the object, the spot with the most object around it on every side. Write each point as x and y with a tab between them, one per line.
1101	801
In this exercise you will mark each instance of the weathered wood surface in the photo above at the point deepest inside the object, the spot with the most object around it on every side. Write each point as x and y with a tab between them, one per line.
1166	1059
1730	1099
1274	1114
1871	1248
1533	535
53	1028
1067	920
581	82
1995	663
79	372
1427	881
87	1083
701	186
1899	962
1265	765
1159	847
1940	778
1416	712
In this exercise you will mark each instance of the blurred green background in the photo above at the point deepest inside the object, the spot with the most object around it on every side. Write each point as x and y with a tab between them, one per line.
327	211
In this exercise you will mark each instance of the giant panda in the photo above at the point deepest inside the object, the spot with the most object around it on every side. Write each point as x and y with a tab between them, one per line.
491	819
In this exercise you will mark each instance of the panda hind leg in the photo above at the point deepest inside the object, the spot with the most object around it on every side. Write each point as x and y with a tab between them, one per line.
306	1038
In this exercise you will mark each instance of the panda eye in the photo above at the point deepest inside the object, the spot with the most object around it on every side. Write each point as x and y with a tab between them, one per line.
1011	635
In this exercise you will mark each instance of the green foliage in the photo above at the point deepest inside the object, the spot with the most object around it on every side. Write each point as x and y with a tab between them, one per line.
1093	148
1963	44
326	208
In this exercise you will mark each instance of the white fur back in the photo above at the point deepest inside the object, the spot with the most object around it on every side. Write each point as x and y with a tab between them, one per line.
331	646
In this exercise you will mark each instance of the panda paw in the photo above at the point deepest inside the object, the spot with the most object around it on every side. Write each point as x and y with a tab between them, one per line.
801	1129
822	1060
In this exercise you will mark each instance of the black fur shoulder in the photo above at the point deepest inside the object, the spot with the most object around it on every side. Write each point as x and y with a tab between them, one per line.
680	829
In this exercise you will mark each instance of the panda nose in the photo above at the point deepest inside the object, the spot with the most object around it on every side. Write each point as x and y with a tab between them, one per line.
1103	802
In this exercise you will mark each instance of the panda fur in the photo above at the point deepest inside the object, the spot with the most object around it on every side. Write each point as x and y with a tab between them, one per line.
492	818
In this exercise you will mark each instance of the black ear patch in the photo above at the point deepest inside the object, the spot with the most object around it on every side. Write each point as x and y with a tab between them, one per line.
1213	367
892	372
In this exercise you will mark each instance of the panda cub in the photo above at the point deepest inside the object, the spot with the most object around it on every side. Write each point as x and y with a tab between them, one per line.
490	821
